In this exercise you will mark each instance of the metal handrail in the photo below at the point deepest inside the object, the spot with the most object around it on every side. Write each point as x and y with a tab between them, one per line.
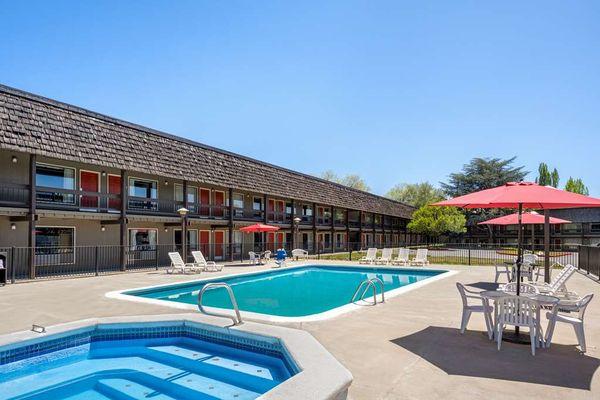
215	285
367	283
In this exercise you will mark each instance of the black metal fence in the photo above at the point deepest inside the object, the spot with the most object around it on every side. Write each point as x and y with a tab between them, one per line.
589	260
56	261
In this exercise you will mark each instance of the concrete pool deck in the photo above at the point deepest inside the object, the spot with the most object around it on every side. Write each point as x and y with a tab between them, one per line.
408	347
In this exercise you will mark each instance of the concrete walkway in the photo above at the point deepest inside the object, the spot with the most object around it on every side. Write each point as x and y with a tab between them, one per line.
407	348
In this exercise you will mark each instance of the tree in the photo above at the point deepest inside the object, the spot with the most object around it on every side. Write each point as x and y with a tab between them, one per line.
483	173
434	221
416	194
352	180
545	177
576	186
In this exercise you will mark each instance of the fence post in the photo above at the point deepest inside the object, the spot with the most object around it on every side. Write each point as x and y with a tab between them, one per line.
469	247
96	261
156	257
13	265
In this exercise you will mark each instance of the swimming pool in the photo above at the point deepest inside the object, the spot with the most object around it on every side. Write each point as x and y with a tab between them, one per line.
297	293
161	361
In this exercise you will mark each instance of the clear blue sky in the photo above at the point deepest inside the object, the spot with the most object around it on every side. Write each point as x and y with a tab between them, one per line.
393	91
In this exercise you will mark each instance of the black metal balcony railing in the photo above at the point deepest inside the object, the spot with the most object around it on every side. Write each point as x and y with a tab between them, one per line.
249	215
353	224
306	219
279	217
12	195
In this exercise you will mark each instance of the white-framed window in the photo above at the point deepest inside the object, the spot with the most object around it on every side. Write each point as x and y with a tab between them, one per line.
55	245
143	194
55	177
143	238
192	239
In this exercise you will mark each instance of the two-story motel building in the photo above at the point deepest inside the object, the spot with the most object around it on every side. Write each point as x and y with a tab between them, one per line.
72	178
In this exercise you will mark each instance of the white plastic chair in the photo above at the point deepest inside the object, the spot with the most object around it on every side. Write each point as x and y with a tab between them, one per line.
267	256
575	321
369	258
527	267
207	265
502	269
467	310
177	263
402	259
511	287
254	259
420	258
517	311
386	257
300	254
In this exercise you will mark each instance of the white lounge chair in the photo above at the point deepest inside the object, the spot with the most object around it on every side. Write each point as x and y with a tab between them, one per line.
300	254
420	258
517	311
468	309
402	259
575	321
210	266
386	257
558	284
178	264
370	257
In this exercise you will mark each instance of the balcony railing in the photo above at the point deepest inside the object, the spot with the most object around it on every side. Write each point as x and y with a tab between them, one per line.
248	215
279	217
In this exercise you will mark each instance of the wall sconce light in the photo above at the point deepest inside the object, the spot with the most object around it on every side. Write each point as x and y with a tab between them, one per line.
166	183
103	173
166	229
14	159
13	226
103	228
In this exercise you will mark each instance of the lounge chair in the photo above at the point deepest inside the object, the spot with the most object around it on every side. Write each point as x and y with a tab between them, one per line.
575	320
420	258
369	258
402	259
210	266
468	309
300	254
178	264
280	258
558	284
386	257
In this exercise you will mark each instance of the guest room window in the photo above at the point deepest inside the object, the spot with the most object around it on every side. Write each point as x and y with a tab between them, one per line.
55	177
54	245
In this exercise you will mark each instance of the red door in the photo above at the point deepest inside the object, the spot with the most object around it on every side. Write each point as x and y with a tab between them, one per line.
114	187
205	202
204	238
280	240
219	240
271	212
219	203
271	241
89	182
280	210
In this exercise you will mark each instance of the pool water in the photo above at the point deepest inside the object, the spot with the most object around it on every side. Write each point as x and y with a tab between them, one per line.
168	368
293	292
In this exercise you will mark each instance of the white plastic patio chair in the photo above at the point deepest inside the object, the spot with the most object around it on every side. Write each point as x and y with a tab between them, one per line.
420	258
210	266
517	311
402	259
575	321
468	309
369	258
527	267
386	257
267	256
300	254
178	264
502	269
253	258
511	287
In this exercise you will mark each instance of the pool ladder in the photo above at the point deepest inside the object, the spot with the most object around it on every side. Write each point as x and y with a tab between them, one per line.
365	285
237	319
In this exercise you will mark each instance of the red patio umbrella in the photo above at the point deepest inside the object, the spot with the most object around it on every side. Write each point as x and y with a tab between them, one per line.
527	218
522	195
259	228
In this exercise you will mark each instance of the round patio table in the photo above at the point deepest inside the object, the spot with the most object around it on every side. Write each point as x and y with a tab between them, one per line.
542	300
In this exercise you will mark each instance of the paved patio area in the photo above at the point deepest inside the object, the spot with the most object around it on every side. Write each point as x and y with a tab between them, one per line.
408	348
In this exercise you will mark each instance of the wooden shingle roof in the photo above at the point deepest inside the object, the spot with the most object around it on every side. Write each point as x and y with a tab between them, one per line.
34	124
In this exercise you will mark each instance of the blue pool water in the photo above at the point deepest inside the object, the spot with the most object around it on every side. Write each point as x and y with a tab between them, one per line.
294	292
158	364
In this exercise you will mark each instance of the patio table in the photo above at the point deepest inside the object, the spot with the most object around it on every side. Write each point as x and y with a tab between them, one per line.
542	300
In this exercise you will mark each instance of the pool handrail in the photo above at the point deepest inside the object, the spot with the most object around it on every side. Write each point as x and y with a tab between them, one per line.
367	283
237	320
